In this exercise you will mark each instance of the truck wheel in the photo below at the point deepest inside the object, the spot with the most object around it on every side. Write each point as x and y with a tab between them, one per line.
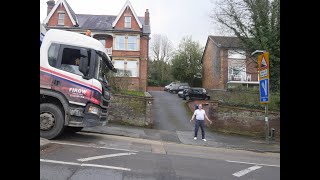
51	121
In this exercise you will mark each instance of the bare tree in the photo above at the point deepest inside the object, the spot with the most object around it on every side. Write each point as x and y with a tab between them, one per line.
161	54
161	48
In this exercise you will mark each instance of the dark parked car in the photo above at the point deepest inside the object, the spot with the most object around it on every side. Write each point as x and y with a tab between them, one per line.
181	93
196	93
181	88
174	88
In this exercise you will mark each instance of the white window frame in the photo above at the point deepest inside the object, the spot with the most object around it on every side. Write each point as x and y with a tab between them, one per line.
126	42
103	40
135	44
236	54
61	21
117	42
239	64
125	67
127	22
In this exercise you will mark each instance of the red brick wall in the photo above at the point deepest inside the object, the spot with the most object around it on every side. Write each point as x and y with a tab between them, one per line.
252	69
207	66
224	69
132	83
53	21
121	53
144	45
238	120
134	23
109	42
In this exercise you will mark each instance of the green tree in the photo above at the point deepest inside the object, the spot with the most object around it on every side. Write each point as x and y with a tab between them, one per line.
257	24
186	62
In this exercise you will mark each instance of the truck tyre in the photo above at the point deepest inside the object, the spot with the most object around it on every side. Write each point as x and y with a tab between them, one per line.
51	121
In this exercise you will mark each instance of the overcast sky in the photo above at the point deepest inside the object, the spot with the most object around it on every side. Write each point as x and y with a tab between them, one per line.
174	18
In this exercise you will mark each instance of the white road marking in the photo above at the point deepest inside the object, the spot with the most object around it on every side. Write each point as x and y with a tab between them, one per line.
245	171
108	167
253	163
80	145
86	165
104	156
59	162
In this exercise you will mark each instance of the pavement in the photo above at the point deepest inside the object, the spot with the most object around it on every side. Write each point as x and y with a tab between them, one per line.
214	139
44	143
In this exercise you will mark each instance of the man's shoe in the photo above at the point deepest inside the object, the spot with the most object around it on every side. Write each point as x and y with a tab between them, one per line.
195	138
204	140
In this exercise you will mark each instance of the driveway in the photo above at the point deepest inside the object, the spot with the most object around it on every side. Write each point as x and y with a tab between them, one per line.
170	112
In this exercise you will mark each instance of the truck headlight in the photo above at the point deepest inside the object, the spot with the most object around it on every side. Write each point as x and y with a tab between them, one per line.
93	110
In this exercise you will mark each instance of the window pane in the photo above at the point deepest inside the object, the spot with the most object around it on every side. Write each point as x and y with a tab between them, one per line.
103	42
119	65
127	22
61	19
53	54
120	42
132	67
71	60
236	54
132	42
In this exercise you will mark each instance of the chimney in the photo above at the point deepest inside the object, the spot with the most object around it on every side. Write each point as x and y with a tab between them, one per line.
146	17
50	3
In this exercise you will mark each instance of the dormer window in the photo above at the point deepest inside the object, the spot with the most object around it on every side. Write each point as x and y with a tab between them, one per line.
61	18
127	21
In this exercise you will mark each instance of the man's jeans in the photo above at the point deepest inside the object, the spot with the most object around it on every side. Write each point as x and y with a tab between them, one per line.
201	124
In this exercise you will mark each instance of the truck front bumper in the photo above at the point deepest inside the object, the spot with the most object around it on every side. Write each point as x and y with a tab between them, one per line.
89	116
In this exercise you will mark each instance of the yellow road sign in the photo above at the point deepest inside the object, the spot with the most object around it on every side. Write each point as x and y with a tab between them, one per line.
263	65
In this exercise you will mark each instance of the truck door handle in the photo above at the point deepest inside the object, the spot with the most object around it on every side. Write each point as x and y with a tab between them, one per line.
56	82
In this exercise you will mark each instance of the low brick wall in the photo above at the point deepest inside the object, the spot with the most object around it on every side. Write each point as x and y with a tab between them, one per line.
238	120
155	88
131	110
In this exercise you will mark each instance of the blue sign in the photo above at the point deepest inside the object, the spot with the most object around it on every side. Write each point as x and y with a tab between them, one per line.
264	91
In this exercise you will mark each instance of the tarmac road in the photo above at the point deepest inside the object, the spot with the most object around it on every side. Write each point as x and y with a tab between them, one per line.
170	112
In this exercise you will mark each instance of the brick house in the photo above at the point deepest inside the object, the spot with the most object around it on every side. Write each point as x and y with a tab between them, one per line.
126	37
225	64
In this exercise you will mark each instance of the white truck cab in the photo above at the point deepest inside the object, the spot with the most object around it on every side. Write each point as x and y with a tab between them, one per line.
74	92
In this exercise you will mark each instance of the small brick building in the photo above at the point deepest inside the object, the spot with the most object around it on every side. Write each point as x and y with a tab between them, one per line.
226	64
126	37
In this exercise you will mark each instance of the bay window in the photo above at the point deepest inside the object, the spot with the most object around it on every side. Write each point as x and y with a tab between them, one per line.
127	42
126	67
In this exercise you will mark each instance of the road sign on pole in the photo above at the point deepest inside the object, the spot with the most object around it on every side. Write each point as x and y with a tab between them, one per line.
263	65
263	69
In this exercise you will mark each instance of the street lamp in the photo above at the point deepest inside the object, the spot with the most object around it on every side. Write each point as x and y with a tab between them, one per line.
257	51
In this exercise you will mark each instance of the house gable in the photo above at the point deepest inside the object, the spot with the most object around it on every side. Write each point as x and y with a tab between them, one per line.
70	18
127	10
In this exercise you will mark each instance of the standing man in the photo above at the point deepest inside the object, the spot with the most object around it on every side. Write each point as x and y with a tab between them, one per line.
200	114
